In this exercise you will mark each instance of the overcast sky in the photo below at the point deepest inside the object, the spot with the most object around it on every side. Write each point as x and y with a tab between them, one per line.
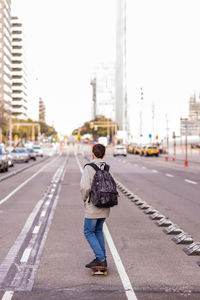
67	38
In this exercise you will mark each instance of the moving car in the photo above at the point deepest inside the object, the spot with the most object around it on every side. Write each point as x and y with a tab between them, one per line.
120	150
20	155
31	153
3	160
38	150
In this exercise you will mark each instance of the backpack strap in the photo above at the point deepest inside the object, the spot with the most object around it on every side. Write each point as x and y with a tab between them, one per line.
106	167
94	166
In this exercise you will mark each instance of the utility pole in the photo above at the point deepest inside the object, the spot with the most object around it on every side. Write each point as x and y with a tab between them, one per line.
141	100
94	98
167	128
153	117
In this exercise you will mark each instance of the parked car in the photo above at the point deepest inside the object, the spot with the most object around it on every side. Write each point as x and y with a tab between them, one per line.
3	160
131	147
120	150
142	150
151	150
20	155
31	153
38	150
10	157
137	149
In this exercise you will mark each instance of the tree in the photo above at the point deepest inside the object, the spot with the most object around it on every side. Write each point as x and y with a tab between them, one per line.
97	127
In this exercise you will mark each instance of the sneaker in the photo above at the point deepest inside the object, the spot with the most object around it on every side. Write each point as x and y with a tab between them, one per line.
97	263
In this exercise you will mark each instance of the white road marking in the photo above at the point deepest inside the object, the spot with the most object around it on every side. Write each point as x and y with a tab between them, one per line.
190	181
43	213
25	182
8	295
36	229
26	255
47	203
169	175
143	167
154	171
135	165
121	270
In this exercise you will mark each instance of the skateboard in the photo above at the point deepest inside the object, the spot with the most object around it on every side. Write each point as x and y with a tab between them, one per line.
99	271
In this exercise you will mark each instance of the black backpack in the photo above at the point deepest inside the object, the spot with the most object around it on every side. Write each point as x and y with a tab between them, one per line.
103	190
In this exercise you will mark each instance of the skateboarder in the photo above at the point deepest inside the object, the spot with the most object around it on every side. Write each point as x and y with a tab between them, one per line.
94	216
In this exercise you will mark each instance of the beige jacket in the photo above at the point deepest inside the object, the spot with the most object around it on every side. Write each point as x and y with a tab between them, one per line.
91	211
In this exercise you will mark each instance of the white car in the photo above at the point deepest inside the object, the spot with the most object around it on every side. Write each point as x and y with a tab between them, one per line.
38	150
120	150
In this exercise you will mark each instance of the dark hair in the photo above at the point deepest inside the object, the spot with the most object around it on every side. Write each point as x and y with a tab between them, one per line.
99	150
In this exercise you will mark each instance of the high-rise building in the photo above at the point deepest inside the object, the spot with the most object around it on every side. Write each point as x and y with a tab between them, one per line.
191	126
19	74
104	90
120	67
5	64
42	111
194	108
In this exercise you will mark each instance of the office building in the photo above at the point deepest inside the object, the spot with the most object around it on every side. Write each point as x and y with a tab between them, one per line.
5	64
121	114
103	97
42	111
19	73
191	126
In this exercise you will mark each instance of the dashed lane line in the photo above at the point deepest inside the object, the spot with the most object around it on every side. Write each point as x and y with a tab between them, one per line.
121	270
26	255
190	181
154	171
169	175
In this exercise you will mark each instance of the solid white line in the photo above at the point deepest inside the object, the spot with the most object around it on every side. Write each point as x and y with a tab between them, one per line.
43	213
121	270
26	255
190	181
154	171
169	175
8	295
25	182
36	229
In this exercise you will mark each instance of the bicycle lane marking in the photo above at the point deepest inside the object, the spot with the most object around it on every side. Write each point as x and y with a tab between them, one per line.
17	245
26	181
118	262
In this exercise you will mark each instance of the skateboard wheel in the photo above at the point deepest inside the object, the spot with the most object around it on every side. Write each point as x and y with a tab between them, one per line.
105	273
93	273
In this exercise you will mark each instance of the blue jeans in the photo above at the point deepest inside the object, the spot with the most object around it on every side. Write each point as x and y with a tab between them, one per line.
93	231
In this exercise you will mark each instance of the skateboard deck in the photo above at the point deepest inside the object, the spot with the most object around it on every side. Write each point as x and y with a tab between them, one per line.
99	271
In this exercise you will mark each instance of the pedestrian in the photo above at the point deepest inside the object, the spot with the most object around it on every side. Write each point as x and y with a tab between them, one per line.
94	216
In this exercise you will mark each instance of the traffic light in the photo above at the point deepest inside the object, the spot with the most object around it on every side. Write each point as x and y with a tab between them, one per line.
91	125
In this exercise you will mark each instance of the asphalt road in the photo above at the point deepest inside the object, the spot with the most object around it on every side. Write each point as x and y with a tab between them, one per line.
43	250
